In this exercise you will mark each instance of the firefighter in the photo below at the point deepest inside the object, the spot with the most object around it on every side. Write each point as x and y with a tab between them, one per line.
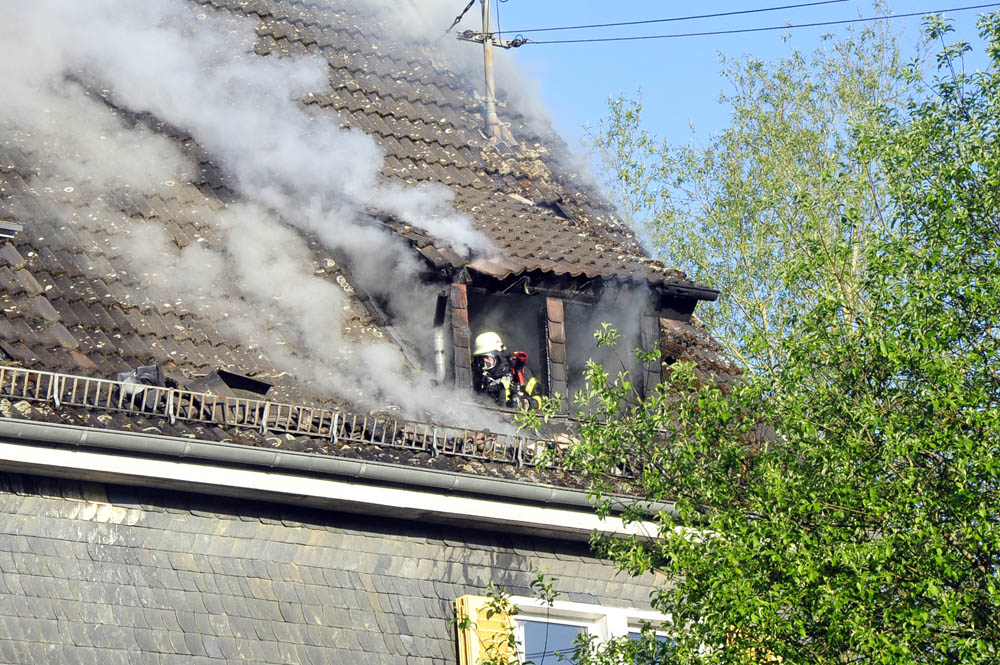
503	377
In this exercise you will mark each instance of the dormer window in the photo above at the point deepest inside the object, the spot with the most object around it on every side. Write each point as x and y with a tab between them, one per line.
548	338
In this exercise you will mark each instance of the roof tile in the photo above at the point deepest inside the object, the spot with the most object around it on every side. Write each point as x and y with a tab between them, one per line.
10	256
56	334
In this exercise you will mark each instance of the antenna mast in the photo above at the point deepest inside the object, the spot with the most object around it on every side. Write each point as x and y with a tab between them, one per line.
492	121
494	130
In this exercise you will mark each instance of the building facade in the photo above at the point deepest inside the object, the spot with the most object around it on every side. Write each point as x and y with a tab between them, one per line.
248	246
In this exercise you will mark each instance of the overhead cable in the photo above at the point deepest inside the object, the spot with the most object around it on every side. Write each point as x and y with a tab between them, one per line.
677	18
787	26
460	16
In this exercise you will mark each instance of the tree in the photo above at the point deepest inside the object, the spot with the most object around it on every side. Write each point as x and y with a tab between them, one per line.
843	504
772	182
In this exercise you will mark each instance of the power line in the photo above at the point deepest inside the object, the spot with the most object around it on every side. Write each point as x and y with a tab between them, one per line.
675	19
459	18
765	29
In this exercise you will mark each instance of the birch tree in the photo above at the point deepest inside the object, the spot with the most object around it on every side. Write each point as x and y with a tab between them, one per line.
774	183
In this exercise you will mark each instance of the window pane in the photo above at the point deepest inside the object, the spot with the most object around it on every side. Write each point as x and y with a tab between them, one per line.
581	322
542	639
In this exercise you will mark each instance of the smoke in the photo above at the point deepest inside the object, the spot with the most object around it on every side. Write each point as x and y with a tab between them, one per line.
246	265
620	308
423	23
201	75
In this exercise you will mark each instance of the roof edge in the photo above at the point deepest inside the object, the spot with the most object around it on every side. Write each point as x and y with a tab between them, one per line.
302	465
689	290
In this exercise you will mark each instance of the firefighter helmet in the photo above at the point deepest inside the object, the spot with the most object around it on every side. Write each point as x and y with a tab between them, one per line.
487	342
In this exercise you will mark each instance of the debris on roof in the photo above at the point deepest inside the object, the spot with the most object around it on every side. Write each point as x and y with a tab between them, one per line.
133	384
9	229
124	405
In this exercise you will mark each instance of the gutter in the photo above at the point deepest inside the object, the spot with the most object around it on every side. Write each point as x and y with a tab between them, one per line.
684	290
301	463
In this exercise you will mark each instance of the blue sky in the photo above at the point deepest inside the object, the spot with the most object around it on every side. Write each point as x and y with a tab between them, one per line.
679	78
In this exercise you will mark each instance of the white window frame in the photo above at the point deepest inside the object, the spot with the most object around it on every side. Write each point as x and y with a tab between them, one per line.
603	622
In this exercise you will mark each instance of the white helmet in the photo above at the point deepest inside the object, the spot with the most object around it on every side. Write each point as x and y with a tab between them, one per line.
487	342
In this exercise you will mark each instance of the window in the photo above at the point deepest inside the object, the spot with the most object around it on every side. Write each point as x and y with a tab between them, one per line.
517	319
541	631
581	323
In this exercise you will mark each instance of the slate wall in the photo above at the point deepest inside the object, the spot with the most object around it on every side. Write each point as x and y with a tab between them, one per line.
96	574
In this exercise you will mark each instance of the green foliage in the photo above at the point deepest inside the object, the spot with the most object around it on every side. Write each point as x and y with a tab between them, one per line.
773	184
542	587
843	503
651	649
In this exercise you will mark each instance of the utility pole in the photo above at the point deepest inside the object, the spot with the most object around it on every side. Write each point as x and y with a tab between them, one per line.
494	130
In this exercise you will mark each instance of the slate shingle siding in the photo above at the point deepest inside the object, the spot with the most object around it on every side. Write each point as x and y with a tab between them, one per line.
107	574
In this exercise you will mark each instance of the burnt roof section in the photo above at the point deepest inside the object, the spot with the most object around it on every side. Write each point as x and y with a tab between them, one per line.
71	305
539	212
689	341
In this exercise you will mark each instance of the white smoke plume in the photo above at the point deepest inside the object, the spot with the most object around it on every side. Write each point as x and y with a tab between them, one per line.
201	76
196	72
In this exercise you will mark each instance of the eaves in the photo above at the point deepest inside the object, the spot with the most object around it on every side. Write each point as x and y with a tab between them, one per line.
303	479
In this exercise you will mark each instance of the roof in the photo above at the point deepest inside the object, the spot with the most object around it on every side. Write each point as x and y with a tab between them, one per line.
118	265
538	210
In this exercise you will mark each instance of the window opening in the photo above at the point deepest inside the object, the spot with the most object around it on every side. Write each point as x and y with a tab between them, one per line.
508	347
581	322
